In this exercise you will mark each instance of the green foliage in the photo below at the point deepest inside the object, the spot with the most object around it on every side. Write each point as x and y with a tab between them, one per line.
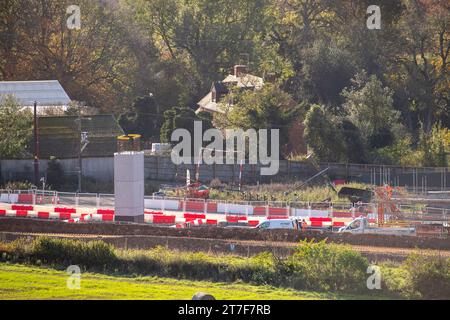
317	266
418	277
18	185
182	118
328	70
328	267
310	49
435	146
323	135
369	106
430	276
145	117
92	254
15	128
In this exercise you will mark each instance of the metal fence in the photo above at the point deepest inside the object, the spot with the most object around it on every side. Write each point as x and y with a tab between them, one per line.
100	200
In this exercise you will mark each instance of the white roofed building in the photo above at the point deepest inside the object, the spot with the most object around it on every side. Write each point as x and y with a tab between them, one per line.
49	94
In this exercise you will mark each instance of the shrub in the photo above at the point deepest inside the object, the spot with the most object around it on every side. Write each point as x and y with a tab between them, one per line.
429	275
322	266
92	254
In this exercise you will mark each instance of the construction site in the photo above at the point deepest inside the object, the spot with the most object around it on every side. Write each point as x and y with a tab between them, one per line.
383	222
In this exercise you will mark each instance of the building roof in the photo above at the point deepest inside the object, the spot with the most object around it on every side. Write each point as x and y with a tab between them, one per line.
59	136
246	81
219	87
45	93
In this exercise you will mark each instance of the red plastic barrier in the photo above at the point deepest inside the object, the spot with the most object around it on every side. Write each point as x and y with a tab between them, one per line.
2	212
195	205
342	214
277	211
107	217
64	215
25	198
21	213
316	223
211	207
253	223
277	217
338	224
154	212
320	219
188	215
211	221
20	207
105	211
43	215
236	218
66	210
163	219
259	211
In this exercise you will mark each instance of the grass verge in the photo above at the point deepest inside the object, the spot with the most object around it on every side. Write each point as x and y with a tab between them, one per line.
26	282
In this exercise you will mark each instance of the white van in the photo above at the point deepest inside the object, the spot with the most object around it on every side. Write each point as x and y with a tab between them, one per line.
277	224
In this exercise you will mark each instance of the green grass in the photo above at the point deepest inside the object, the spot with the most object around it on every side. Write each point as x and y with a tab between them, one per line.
25	282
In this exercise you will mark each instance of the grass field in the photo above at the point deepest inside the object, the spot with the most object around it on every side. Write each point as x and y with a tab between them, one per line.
25	282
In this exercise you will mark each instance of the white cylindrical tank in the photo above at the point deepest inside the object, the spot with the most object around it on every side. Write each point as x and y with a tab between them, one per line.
129	186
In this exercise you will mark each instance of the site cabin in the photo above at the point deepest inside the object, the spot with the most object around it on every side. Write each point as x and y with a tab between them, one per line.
361	225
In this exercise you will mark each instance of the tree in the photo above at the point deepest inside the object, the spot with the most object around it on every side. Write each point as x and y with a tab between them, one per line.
422	72
327	70
268	108
323	136
144	118
369	106
182	118
15	128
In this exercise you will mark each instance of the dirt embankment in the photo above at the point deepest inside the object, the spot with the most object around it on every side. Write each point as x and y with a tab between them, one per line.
209	233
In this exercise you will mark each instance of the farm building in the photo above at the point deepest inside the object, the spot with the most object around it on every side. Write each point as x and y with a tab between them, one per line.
48	94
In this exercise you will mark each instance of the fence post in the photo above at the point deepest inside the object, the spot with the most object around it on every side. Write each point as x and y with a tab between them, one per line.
76	199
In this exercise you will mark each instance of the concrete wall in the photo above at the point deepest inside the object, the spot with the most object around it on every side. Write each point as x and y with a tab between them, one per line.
101	169
161	168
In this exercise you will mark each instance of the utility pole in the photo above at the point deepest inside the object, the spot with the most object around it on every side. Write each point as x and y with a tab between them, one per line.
36	146
82	143
80	162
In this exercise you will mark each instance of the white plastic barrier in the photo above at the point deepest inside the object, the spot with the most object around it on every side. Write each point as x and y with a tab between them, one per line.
10	213
234	208
13	198
4	198
32	214
161	204
54	215
310	213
